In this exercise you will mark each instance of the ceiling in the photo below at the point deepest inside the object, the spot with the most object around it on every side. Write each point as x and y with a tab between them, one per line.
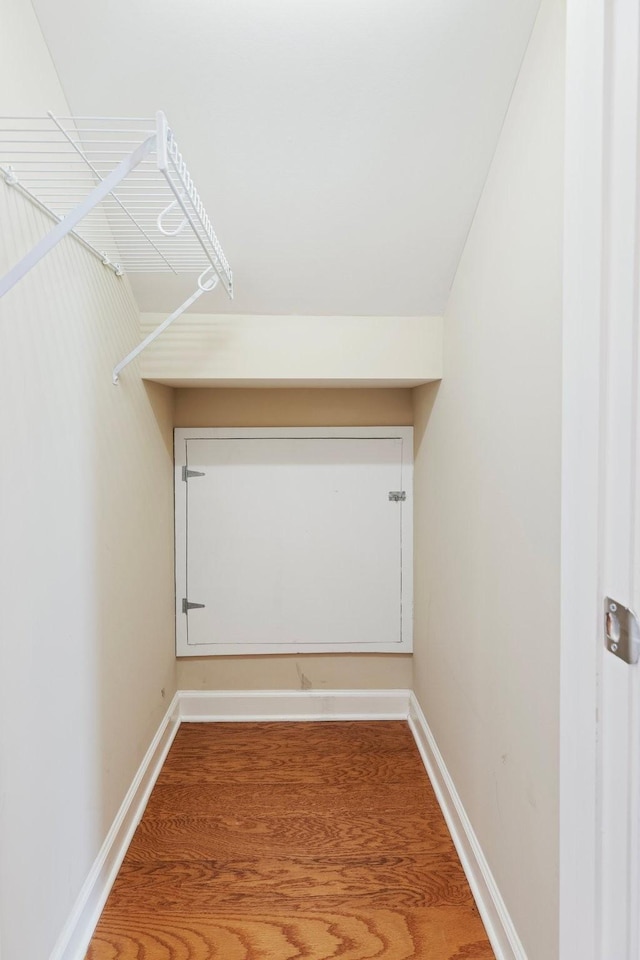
339	146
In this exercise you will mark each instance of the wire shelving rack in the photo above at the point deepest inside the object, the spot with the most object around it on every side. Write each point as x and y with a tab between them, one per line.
121	187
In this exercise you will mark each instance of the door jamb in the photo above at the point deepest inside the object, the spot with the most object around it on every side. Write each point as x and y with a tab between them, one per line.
581	481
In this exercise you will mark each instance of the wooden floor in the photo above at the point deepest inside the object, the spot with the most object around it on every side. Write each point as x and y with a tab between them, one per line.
291	841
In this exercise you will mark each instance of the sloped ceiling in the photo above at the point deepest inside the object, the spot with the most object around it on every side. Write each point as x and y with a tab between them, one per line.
340	146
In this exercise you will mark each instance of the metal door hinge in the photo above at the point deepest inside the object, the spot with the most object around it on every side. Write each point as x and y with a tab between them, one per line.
187	474
187	605
621	631
397	495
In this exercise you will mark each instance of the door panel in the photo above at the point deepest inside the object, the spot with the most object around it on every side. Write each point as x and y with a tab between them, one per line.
293	544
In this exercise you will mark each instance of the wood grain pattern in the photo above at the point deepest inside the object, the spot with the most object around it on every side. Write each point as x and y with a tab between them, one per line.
408	881
291	841
198	766
297	835
222	799
352	734
433	934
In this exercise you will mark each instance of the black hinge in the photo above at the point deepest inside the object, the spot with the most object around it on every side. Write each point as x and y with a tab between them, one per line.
397	494
187	474
187	605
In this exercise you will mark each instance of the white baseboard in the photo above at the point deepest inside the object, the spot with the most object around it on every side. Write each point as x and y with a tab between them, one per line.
492	908
245	705
78	930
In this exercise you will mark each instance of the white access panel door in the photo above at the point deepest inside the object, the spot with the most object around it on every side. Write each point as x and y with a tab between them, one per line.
292	543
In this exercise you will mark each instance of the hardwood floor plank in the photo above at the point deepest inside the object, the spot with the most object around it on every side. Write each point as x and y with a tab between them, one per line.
222	799
439	933
290	766
295	835
356	735
295	754
320	883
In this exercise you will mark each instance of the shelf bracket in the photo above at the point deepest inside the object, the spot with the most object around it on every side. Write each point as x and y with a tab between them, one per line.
204	286
66	225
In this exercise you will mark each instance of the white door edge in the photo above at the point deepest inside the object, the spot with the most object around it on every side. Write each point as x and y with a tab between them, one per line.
599	769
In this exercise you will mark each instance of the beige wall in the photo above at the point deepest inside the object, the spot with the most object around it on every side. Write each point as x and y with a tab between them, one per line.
235	351
291	407
326	671
488	506
87	666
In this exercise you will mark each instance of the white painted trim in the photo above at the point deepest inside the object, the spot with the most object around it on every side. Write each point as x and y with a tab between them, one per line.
302	433
210	706
495	916
582	394
618	796
77	932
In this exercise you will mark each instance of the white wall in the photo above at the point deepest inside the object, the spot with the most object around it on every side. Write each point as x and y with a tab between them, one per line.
86	643
225	350
487	483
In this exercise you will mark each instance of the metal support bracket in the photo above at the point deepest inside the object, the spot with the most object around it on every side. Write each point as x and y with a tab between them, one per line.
204	286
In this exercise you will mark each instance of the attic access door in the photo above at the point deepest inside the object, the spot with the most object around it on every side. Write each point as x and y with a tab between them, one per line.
294	540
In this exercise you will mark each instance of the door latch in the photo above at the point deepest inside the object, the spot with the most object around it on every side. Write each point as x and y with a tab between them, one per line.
621	631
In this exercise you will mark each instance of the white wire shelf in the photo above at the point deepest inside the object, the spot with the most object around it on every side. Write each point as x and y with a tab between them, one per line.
153	219
120	186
